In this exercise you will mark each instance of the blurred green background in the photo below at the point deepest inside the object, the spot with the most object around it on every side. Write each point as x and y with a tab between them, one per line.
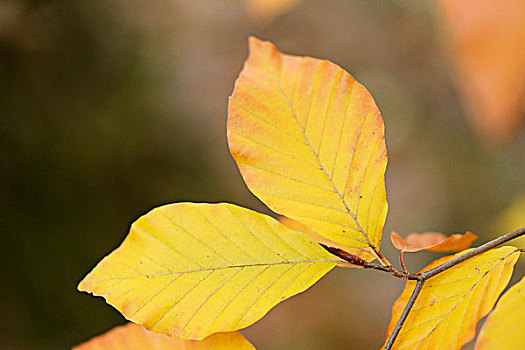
110	108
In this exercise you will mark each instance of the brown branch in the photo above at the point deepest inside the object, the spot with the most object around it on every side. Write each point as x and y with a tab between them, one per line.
424	276
476	251
404	315
357	261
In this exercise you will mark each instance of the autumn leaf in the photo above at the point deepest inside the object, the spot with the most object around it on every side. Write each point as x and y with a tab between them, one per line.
309	142
513	218
486	39
432	241
132	336
450	304
297	226
189	270
505	326
265	10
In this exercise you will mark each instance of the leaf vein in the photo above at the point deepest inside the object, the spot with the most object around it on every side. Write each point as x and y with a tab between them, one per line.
237	294
275	150
335	190
273	126
330	100
224	268
207	299
181	299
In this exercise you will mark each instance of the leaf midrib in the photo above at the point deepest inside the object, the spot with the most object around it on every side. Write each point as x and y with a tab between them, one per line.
295	262
321	166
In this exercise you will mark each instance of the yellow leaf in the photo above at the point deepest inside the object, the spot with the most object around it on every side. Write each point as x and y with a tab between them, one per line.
132	336
450	304
309	142
297	226
432	241
189	270
487	43
505	326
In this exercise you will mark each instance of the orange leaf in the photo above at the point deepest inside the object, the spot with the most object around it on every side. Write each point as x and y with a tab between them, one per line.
450	304
265	10
432	241
487	43
309	142
506	322
132	336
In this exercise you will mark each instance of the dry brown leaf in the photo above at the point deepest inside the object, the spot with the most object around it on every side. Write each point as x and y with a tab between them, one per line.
432	241
487	43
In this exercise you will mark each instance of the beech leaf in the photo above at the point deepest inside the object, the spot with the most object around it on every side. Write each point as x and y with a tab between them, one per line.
309	142
505	325
297	226
189	270
486	39
134	337
432	241
450	304
265	10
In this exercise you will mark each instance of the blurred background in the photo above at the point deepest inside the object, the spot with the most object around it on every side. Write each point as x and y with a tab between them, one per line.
111	108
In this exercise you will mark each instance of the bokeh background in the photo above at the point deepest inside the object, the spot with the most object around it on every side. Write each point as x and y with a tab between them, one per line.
110	108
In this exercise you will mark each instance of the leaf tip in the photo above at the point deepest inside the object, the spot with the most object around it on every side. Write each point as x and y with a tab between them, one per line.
262	48
255	43
81	286
397	241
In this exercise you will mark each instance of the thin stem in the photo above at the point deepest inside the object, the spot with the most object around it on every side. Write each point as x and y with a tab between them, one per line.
404	315
401	261
393	271
420	277
451	263
356	260
382	259
481	249
376	253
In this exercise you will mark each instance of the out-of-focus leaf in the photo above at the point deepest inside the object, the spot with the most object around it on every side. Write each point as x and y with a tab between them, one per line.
189	270
309	142
513	218
487	43
432	241
505	326
132	336
265	10
450	304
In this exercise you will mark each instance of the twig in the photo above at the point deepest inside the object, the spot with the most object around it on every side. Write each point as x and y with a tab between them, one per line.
404	315
355	260
437	270
476	251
